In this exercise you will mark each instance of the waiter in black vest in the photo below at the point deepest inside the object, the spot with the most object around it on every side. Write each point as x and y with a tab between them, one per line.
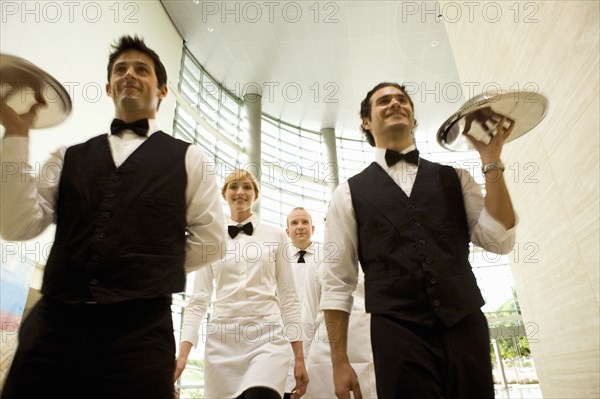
409	223
135	210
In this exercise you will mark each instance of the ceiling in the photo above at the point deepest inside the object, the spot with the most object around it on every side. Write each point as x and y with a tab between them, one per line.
314	61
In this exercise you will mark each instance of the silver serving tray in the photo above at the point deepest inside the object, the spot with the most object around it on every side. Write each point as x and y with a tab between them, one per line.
479	117
23	84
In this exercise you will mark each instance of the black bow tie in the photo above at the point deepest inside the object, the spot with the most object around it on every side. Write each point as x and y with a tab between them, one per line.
140	127
392	157
233	231
301	256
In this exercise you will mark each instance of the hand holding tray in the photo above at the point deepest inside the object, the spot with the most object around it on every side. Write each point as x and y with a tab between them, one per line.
22	84
479	116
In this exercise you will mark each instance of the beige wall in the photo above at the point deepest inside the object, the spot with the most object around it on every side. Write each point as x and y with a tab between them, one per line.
554	46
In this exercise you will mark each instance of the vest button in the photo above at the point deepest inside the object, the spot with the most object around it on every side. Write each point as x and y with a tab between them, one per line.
95	258
106	214
428	260
422	241
114	178
436	303
433	281
102	235
94	281
111	195
417	224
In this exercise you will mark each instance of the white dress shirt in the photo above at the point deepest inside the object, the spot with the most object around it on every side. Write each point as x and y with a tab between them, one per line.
255	303
317	351
340	275
299	270
28	202
253	279
311	297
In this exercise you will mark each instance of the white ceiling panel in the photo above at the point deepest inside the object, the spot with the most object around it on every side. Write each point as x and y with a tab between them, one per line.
333	51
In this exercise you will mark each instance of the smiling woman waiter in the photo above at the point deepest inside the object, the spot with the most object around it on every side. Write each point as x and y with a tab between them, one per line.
256	311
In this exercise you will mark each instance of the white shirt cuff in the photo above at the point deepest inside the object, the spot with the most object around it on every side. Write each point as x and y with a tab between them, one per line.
494	227
337	301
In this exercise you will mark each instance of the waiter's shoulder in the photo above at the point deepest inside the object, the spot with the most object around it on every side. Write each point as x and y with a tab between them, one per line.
194	152
266	233
270	229
317	246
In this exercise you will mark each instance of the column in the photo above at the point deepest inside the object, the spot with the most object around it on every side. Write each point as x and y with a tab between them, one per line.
332	176
253	115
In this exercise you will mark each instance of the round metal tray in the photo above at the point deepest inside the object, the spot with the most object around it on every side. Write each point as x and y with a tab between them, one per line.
23	84
479	116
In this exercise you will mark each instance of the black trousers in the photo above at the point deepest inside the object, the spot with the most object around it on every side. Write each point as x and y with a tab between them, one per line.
419	362
123	350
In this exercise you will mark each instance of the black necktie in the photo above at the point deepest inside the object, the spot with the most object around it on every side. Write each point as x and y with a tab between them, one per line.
301	256
140	127
233	231
392	157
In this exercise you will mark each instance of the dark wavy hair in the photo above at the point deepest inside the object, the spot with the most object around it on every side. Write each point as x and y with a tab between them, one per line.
127	43
365	107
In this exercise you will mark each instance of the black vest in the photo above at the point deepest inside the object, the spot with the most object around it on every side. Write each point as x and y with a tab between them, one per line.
414	251
120	232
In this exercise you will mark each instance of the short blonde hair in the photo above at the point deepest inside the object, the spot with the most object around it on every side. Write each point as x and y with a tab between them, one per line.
237	176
